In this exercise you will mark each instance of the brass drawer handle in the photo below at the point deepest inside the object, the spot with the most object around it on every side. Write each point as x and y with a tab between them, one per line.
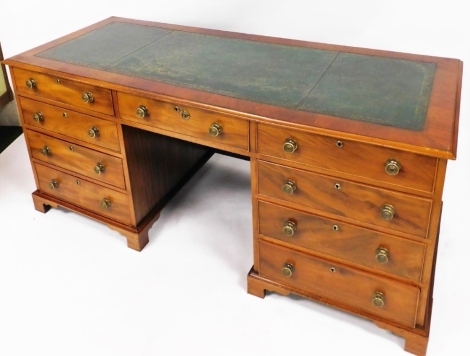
88	97
185	116
54	184
142	111
215	129
382	255
99	168
289	187
378	299
387	212
290	145
46	151
94	132
105	204
392	167
288	269
289	228
39	116
31	83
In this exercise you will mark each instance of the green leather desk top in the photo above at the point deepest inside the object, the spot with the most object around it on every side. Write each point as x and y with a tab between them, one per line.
386	91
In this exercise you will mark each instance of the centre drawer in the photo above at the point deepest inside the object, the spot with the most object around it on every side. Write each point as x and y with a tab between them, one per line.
194	122
377	295
360	159
396	211
64	90
94	164
86	128
387	253
83	193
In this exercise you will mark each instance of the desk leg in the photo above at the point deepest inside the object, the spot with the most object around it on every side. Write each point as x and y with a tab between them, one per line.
258	285
137	239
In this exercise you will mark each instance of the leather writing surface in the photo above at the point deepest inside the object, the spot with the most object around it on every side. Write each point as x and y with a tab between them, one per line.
388	91
392	92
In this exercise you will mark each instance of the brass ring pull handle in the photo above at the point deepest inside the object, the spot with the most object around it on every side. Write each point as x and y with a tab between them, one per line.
54	184
289	228
378	299
387	212
105	203
39	116
288	269
46	151
392	167
290	145
88	97
31	83
94	132
289	187
185	115
142	111
215	129
382	255
99	168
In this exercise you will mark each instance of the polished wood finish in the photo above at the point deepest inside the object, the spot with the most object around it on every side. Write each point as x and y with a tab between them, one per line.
335	239
354	158
137	237
337	282
84	193
169	116
345	207
347	199
157	164
70	123
76	158
64	90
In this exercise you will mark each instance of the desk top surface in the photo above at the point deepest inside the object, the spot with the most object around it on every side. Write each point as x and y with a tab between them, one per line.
403	98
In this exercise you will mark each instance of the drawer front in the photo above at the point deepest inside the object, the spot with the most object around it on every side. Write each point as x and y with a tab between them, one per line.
336	282
86	128
186	120
382	252
64	91
76	158
360	159
83	193
409	214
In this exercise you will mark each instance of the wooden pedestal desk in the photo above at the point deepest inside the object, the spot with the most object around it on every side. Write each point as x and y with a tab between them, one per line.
348	150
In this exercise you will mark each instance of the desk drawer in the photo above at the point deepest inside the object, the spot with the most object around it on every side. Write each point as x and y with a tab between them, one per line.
392	210
86	128
84	193
339	283
369	161
185	120
76	158
369	248
64	91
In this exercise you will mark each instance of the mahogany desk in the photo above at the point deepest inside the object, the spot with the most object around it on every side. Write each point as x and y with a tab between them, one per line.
348	150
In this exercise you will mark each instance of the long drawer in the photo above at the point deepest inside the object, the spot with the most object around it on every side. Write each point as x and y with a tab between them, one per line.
194	122
378	163
94	164
396	211
64	90
83	193
99	132
376	295
387	253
